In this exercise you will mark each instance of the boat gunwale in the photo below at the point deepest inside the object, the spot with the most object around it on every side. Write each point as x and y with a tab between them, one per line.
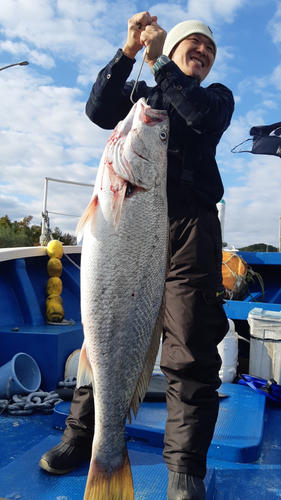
25	252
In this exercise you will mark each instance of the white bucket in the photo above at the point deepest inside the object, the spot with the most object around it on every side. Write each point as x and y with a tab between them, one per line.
21	375
71	365
228	351
265	344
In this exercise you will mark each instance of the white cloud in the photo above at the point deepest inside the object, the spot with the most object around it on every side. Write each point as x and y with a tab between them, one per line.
252	210
211	11
21	50
268	103
46	134
274	25
276	77
63	28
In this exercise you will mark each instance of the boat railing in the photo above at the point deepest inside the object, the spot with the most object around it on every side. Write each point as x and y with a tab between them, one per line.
45	213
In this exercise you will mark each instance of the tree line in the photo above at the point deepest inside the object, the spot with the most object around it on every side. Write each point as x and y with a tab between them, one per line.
259	247
25	234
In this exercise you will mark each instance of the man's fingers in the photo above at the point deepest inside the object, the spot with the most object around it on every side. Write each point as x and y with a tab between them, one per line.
136	27
142	20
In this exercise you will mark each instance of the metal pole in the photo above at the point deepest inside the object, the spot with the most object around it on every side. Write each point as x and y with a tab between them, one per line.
22	63
279	249
44	205
221	215
69	182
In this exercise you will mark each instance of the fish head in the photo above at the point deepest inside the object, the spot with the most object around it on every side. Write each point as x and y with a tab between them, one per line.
143	157
134	161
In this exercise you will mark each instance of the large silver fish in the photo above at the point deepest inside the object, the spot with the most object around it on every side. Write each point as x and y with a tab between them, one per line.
123	269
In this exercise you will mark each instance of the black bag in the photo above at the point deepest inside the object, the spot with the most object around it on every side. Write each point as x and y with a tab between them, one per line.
266	140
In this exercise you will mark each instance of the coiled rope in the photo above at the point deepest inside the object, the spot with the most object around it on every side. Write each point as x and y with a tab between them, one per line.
64	322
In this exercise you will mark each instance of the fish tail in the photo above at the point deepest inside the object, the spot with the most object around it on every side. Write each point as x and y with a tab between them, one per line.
117	485
89	215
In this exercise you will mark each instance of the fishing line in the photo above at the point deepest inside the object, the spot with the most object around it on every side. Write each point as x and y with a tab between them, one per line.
135	84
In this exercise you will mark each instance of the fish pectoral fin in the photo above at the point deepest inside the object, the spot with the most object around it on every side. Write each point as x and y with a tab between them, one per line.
117	205
84	372
89	216
102	485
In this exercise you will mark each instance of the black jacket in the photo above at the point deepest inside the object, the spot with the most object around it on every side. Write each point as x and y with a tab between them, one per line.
198	117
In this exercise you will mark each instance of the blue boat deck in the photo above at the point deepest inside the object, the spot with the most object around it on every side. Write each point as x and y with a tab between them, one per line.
244	460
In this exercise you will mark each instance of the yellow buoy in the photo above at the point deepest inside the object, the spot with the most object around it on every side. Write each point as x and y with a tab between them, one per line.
55	249
54	267
54	298
54	286
54	312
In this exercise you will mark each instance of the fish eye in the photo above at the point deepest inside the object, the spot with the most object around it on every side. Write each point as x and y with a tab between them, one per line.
163	136
129	189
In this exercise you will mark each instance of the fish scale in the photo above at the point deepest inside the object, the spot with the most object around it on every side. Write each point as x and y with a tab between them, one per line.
123	270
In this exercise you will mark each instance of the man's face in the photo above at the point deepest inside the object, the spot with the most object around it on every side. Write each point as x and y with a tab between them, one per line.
195	56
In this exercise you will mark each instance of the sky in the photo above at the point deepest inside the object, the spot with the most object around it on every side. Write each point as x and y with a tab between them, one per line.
45	134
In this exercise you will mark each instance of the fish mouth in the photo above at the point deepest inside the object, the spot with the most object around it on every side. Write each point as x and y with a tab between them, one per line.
152	117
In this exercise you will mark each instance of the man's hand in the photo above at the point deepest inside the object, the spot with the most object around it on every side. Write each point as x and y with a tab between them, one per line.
153	38
136	27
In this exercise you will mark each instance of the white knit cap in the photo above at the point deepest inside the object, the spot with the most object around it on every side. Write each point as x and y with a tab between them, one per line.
184	29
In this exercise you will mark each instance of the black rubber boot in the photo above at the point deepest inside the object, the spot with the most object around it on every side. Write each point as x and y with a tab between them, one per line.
185	487
63	458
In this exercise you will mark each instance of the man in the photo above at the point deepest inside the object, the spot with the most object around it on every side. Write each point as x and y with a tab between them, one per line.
195	321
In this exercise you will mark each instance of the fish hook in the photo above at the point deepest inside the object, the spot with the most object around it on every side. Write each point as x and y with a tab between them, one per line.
135	84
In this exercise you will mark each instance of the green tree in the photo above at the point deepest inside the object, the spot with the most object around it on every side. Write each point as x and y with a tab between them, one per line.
23	234
57	233
35	233
259	247
5	221
66	238
9	238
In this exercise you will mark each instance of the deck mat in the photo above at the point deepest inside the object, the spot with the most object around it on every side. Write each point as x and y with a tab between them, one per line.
239	429
248	484
238	433
23	479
